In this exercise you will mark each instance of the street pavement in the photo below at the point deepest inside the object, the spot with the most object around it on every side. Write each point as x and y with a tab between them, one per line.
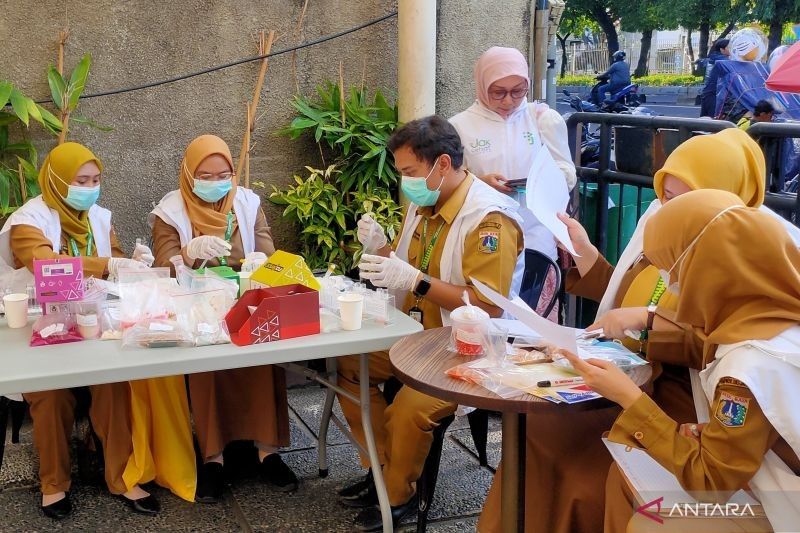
686	111
249	505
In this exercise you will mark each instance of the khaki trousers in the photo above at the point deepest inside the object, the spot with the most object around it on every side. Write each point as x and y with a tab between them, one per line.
403	431
53	415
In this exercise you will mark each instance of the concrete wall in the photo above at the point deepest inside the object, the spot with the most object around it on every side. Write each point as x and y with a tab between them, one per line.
139	41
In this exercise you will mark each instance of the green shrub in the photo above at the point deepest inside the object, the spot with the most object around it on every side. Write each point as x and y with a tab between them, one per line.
654	80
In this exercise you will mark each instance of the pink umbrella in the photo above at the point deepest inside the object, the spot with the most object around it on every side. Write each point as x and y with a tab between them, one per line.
785	75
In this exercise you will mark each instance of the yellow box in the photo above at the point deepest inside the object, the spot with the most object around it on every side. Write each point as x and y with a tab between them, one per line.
283	268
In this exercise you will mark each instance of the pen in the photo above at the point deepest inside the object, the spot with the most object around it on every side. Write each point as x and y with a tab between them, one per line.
559	382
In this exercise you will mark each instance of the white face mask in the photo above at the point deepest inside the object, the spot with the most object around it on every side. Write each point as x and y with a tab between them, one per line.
665	274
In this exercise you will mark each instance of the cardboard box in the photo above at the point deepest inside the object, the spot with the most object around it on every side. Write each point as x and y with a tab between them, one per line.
58	280
284	268
279	313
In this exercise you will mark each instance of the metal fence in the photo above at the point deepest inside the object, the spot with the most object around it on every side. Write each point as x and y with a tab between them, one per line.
664	58
613	193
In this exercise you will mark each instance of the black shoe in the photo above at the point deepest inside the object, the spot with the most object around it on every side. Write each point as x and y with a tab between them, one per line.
148	505
370	519
210	483
275	472
361	494
58	510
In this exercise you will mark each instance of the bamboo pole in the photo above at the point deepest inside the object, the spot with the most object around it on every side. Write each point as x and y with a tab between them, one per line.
247	153
62	43
23	189
298	33
341	92
264	48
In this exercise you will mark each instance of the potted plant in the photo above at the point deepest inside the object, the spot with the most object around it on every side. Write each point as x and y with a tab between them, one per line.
326	204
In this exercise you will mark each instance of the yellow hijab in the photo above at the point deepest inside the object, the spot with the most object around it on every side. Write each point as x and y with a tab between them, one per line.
728	161
740	280
206	218
58	170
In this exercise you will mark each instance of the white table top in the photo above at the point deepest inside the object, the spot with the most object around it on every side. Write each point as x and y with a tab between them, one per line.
30	369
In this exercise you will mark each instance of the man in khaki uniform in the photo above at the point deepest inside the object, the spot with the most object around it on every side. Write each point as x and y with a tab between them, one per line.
450	203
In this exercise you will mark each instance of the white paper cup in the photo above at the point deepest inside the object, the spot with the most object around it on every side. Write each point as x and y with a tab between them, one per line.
351	307
16	306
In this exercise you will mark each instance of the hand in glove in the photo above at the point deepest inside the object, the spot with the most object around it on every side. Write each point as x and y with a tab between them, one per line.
370	234
115	264
207	247
143	254
390	272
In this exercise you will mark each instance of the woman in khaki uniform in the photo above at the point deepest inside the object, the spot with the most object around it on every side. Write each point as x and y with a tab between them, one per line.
211	219
66	213
565	496
740	294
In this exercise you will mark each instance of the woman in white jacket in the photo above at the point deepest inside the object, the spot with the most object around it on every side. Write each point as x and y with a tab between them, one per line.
502	133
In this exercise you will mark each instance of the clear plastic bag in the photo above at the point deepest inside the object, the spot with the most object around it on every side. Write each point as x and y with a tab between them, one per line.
87	318
110	320
202	316
57	328
489	375
156	333
145	295
191	280
611	351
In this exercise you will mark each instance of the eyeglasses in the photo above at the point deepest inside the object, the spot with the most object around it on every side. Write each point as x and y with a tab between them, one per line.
215	177
500	94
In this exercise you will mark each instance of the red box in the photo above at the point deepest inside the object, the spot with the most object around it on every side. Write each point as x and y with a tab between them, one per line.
281	313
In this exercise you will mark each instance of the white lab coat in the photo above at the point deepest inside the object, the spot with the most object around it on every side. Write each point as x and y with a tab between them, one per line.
508	147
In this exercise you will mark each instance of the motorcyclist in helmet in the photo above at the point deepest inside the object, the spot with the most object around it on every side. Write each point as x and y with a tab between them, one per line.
618	76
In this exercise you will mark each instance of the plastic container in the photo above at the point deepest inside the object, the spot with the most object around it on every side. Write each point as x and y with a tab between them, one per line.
469	330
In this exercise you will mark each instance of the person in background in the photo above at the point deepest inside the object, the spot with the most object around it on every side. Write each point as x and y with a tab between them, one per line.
618	77
764	111
502	133
740	294
210	218
456	228
65	221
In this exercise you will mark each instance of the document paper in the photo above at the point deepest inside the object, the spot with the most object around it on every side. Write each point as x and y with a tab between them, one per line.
547	195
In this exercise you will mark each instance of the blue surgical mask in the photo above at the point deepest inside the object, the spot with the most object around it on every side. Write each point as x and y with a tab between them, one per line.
416	189
82	198
212	191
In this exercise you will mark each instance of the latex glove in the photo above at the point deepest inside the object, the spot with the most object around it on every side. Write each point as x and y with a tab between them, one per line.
370	234
618	322
605	378
389	272
143	254
207	247
253	261
115	264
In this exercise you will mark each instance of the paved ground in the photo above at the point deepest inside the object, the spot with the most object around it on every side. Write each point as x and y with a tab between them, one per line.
686	111
249	505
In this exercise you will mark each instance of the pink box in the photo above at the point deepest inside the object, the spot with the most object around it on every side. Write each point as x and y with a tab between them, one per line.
58	280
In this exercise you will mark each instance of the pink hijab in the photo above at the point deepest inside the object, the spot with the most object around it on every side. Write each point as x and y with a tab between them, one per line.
495	64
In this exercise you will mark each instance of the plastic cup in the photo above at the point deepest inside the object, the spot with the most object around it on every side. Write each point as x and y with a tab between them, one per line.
16	307
470	326
496	338
351	308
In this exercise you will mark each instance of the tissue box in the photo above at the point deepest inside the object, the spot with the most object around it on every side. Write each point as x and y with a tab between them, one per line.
58	280
284	268
280	313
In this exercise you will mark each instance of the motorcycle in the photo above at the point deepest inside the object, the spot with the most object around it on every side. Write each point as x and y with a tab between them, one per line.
621	101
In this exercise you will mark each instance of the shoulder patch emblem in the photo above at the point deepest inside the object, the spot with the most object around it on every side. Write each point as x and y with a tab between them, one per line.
731	410
489	224
490	241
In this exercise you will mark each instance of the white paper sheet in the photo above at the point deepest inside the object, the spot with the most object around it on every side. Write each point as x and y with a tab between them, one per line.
562	337
516	328
547	195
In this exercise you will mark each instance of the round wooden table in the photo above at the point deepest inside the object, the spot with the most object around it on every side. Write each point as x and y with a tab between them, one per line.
421	360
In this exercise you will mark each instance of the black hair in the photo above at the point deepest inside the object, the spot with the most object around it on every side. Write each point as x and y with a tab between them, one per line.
720	44
763	106
428	138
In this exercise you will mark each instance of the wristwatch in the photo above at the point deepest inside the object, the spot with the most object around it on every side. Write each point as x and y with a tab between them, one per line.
651	316
423	286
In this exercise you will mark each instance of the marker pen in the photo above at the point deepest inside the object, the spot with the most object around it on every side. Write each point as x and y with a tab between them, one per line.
560	382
